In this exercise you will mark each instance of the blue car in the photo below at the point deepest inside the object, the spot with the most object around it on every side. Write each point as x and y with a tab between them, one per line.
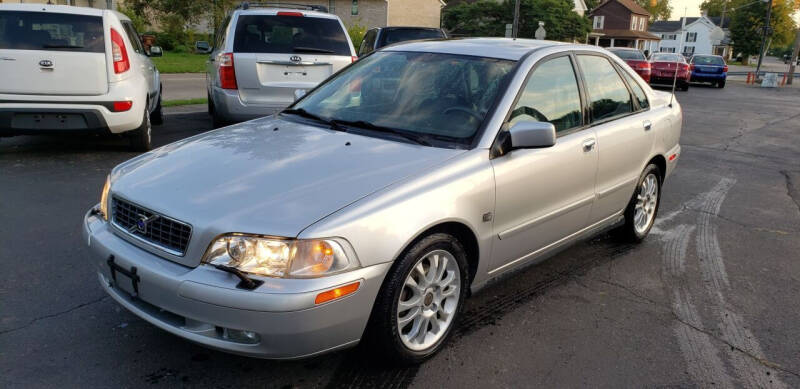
709	68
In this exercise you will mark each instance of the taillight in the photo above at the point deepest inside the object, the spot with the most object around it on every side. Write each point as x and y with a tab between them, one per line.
122	106
691	67
119	53
353	59
725	69
227	74
285	13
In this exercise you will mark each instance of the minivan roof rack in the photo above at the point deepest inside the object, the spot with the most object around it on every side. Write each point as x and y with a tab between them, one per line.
310	7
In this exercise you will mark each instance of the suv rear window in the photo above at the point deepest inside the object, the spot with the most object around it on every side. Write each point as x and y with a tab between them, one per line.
629	54
409	34
289	34
51	31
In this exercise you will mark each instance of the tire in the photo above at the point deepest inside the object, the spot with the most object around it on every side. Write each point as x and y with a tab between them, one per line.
141	138
721	84
209	104
217	120
157	117
685	86
386	335
634	230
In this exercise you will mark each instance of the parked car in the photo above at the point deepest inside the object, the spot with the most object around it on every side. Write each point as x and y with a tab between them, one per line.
709	68
379	37
265	55
664	67
202	47
75	70
635	59
373	206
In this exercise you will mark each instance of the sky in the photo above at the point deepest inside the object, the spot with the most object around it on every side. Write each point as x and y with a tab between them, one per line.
692	8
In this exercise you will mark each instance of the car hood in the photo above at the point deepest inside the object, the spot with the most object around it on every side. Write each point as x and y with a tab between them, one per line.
268	176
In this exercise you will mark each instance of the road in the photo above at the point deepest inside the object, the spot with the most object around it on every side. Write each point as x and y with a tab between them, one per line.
183	86
710	298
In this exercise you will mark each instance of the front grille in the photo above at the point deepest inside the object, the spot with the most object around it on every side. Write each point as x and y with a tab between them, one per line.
154	228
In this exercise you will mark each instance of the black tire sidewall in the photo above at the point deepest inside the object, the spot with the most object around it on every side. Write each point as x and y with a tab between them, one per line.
140	139
383	334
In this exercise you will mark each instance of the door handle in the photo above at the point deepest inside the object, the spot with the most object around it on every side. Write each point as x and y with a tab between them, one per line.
647	125
588	144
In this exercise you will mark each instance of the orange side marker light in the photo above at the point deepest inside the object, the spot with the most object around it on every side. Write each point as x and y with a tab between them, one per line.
339	292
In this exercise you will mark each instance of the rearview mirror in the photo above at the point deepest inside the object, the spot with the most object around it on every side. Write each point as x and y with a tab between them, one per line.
528	135
155	51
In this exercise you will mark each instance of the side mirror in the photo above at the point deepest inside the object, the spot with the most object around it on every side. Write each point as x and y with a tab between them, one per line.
155	51
529	135
299	93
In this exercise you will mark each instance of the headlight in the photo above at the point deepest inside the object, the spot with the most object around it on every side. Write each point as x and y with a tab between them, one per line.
274	257
104	198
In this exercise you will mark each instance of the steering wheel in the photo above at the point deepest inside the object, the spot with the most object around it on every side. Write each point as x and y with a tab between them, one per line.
468	111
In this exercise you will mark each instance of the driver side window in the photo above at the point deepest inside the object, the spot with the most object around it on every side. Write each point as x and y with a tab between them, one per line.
551	95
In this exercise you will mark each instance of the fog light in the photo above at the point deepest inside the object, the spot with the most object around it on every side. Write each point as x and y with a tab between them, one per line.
239	336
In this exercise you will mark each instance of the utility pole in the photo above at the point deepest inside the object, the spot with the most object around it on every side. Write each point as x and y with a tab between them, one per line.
793	60
515	29
722	18
764	38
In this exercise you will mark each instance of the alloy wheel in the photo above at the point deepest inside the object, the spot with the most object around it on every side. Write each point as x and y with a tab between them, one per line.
646	202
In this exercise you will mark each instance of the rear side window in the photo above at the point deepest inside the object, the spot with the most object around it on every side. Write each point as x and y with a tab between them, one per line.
133	37
51	31
551	95
638	92
368	44
407	34
289	34
608	95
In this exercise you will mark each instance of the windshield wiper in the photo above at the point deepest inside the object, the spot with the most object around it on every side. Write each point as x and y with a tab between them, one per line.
418	139
62	46
300	49
333	124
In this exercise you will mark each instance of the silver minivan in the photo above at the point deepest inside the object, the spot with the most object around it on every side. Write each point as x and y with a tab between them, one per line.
264	56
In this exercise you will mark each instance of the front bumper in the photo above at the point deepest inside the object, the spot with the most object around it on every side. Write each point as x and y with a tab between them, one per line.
203	304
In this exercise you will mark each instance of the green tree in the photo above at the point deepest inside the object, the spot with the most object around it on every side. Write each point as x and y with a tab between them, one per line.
747	22
715	7
659	9
489	18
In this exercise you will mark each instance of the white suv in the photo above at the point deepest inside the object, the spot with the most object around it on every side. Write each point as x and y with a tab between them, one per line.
73	69
265	57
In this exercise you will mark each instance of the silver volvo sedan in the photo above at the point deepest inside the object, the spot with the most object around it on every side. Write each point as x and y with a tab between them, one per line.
374	205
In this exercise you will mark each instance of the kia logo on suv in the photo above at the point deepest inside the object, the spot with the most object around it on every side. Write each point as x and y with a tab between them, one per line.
46	63
295	58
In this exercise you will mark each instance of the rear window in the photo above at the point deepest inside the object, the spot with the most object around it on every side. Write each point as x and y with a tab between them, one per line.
708	61
629	54
51	31
289	34
668	58
409	34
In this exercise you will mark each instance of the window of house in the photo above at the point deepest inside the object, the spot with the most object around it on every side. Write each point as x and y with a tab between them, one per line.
608	95
691	36
668	37
667	49
598	22
551	95
642	23
688	50
332	6
354	8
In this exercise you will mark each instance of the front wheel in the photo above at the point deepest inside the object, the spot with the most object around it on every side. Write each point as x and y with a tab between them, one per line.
643	206
420	300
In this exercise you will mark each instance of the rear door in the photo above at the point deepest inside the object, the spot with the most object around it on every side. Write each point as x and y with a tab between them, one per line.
275	55
52	54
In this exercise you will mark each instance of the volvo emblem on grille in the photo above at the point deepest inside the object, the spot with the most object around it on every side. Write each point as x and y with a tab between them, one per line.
296	58
142	223
46	63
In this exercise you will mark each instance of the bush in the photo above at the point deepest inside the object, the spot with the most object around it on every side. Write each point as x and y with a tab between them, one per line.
356	32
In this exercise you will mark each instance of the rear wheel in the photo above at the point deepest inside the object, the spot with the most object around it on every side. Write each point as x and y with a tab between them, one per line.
141	138
685	86
640	215
420	300
157	117
721	84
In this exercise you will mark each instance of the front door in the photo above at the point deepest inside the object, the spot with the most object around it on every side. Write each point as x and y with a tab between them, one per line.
544	195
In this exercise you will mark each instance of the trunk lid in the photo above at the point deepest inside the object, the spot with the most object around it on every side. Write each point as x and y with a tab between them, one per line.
52	53
277	54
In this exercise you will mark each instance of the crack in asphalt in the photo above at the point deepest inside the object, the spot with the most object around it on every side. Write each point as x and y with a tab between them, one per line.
52	315
791	190
742	131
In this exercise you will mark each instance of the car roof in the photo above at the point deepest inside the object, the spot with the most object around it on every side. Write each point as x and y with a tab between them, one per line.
274	11
67	9
502	48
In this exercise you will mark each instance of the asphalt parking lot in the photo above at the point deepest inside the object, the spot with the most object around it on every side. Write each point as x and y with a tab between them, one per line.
710	298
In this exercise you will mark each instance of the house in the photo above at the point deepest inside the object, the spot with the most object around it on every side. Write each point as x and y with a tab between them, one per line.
102	4
621	23
692	35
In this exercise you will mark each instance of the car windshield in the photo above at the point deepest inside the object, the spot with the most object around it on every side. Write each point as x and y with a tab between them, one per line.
409	34
289	34
442	97
708	61
667	58
629	54
51	31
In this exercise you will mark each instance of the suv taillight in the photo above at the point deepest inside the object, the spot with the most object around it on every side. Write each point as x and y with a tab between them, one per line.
353	59
119	53
227	74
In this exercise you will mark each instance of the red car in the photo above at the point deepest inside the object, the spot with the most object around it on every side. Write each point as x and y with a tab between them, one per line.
663	67
635	59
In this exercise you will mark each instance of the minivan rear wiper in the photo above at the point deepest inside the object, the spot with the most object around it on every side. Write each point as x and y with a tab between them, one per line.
62	46
300	49
333	124
418	139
